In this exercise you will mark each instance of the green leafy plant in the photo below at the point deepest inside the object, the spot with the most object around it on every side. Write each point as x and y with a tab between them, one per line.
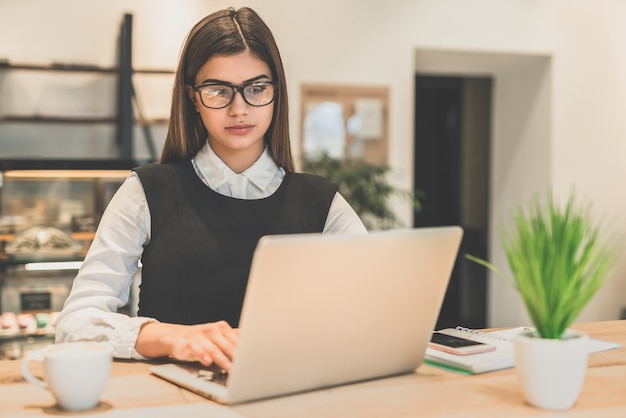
558	259
365	186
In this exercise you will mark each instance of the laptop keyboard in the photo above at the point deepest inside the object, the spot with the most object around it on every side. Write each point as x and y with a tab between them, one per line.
216	376
210	382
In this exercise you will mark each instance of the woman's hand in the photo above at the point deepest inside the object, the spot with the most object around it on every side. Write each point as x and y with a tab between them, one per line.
207	343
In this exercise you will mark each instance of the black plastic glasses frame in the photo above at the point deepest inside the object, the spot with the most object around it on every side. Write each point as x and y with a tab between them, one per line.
235	89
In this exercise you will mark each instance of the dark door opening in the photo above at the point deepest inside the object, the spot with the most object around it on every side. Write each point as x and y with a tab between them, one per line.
451	160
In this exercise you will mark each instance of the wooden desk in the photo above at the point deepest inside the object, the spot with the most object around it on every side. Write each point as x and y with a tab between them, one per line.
429	392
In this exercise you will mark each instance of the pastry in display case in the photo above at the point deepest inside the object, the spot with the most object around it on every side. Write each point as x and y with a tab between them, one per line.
43	242
49	211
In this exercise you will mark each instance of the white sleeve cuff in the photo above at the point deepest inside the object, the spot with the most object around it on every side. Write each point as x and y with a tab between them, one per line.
119	330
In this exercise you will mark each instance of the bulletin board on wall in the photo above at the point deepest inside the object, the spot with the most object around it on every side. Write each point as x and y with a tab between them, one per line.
345	121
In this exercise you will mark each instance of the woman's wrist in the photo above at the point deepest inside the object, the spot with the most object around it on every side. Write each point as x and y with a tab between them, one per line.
155	339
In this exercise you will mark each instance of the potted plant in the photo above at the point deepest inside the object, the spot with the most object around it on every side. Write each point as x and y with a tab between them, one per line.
365	186
559	259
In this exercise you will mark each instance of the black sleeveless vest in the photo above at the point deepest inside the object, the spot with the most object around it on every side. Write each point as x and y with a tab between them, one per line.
195	268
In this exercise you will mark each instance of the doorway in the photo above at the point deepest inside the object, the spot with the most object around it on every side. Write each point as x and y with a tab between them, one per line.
451	167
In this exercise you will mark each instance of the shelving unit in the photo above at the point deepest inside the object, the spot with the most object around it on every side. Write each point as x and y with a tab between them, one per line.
62	184
76	119
127	103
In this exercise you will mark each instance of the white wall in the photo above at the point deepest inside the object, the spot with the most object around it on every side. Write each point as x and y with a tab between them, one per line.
559	69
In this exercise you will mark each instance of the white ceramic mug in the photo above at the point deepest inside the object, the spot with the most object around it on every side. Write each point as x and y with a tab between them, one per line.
75	372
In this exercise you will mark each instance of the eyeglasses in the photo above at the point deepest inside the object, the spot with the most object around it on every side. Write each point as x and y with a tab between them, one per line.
218	96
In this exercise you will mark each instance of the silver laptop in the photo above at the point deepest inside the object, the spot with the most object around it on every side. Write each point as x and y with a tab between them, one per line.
327	310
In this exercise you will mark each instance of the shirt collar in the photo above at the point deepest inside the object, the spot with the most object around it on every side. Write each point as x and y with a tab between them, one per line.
216	172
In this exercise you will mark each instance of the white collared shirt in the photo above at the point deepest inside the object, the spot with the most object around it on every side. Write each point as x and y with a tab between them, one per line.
104	281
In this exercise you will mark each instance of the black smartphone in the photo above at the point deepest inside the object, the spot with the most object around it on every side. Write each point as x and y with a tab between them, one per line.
457	345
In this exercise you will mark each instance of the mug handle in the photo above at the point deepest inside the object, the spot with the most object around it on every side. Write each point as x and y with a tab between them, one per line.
36	355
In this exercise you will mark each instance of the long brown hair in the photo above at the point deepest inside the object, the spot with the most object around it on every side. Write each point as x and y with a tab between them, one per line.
226	32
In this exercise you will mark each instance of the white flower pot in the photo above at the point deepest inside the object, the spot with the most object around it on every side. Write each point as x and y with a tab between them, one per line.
551	372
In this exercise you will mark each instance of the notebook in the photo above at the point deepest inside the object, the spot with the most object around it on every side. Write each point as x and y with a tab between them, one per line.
323	310
502	358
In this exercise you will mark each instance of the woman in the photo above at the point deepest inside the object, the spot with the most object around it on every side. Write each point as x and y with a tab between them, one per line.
225	179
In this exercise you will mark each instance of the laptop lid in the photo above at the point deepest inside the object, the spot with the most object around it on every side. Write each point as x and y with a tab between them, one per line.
328	309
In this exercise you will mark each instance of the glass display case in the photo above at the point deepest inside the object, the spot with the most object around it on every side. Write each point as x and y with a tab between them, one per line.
49	211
